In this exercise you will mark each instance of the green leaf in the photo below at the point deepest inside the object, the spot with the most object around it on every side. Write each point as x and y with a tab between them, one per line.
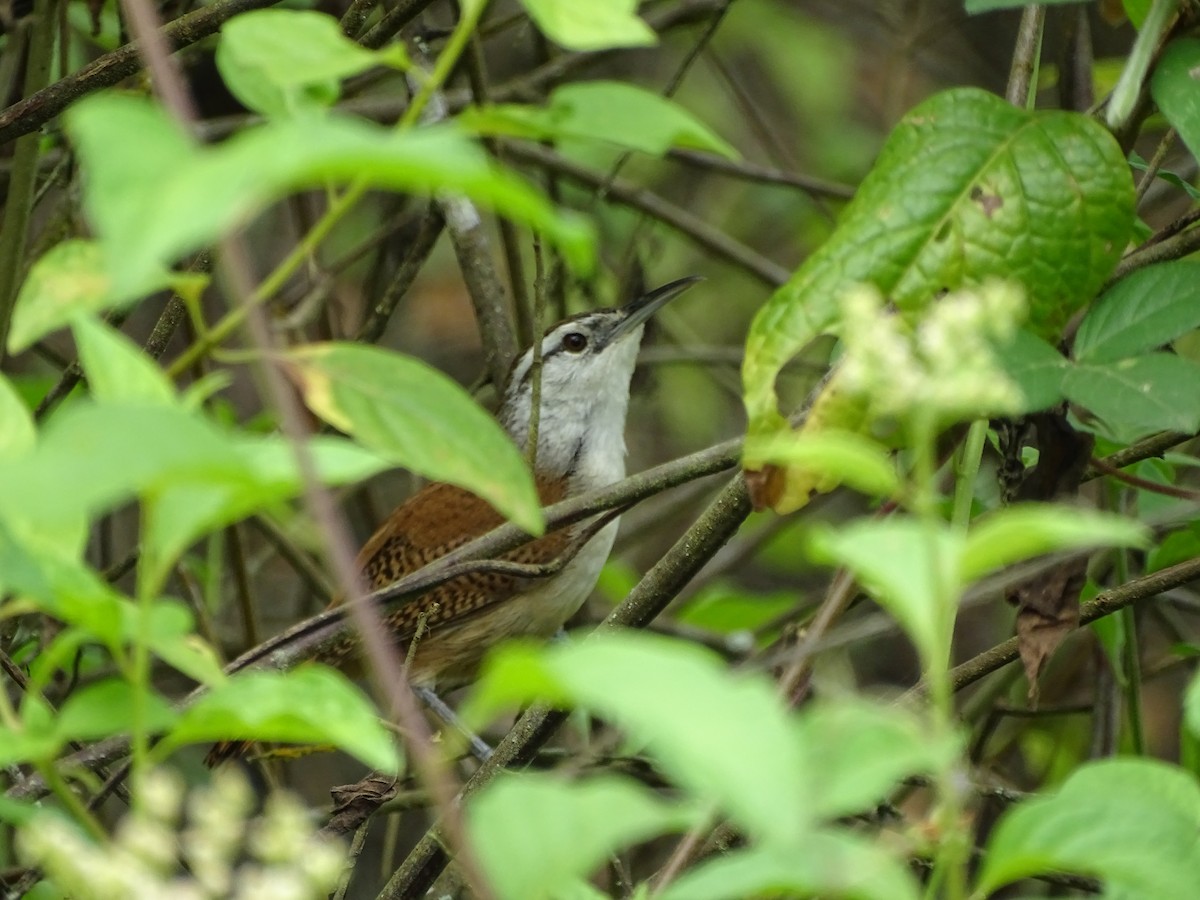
590	26
278	61
59	585
420	419
1155	506
1143	311
967	188
1156	392
117	370
726	609
568	829
834	457
858	751
1138	163
894	559
107	708
721	737
191	475
1191	707
170	632
18	435
1176	547
1022	532
27	746
1036	368
311	705
1175	87
16	813
62	586
70	278
1137	10
84	462
265	473
1130	822
169	197
46	889
609	111
827	864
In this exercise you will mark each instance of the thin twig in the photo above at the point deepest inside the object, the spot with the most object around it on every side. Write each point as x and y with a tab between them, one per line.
1025	55
1167	490
1150	447
749	171
418	252
302	564
646	201
395	19
1155	164
385	668
241	583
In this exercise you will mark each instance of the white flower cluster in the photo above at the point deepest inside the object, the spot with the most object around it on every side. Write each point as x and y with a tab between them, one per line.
227	852
944	366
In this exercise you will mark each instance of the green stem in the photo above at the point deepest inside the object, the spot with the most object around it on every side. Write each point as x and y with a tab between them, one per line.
949	877
151	575
1132	682
1129	85
1127	660
968	471
74	805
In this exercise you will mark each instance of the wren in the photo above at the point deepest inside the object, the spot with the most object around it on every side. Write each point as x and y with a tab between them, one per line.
587	364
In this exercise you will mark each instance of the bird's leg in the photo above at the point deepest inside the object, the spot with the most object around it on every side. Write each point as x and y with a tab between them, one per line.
479	747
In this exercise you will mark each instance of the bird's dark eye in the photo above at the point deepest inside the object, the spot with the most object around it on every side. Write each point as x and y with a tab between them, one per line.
574	342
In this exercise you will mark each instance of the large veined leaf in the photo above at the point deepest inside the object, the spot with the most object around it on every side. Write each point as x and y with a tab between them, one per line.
966	188
419	418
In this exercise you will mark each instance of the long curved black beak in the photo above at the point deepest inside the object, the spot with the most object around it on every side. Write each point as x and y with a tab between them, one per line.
648	304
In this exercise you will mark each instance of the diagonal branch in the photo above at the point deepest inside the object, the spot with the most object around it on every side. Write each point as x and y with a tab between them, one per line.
636	197
295	644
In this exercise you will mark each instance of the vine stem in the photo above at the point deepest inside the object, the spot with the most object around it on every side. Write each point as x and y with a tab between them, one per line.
968	470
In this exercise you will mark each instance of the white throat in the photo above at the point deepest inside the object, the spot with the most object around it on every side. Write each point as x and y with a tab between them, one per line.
581	429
